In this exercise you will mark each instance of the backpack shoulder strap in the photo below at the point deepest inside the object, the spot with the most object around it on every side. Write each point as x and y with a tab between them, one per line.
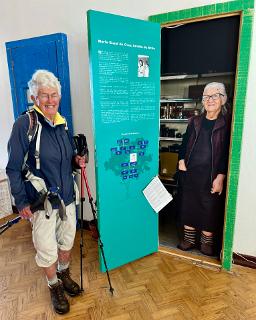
66	124
35	127
33	124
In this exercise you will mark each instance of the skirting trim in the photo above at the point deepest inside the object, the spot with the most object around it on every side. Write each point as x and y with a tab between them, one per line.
244	260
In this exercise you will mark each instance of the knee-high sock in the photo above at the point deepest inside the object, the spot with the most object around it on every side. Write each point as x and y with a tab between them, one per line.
190	235
206	239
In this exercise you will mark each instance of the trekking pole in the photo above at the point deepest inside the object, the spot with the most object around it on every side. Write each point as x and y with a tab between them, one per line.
81	146
82	199
8	224
82	150
34	207
83	171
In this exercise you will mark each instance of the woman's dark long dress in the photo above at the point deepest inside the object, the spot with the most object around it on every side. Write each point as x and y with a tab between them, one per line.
199	208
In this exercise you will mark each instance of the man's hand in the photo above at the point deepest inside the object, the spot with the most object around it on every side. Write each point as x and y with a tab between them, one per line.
217	185
80	161
182	166
26	213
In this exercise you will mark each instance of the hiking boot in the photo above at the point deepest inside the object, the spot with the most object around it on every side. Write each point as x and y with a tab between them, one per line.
70	286
185	245
207	249
58	298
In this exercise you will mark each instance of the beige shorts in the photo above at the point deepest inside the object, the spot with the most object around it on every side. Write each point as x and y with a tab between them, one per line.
50	235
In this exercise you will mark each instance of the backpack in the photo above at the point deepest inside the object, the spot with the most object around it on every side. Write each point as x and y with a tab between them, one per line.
35	127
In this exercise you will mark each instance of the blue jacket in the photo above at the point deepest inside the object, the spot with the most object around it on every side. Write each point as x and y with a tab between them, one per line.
56	153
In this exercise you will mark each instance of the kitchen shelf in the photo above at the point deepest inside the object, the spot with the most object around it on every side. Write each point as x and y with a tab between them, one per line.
174	120
179	77
170	139
195	76
178	100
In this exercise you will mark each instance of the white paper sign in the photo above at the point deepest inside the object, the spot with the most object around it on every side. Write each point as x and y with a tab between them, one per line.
157	195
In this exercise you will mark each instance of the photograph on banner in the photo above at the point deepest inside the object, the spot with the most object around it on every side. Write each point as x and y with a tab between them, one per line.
143	66
198	73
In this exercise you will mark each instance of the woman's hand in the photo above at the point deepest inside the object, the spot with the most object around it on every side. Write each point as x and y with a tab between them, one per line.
26	213
182	165
80	161
217	185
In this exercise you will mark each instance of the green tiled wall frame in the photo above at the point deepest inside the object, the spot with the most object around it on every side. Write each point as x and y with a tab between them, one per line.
246	9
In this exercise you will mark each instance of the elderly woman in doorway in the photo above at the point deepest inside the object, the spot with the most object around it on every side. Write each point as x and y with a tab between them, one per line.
33	172
203	162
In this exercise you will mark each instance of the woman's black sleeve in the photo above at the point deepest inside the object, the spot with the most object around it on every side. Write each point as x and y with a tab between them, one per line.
223	165
183	147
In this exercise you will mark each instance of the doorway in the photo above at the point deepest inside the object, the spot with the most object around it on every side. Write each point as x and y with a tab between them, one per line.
194	53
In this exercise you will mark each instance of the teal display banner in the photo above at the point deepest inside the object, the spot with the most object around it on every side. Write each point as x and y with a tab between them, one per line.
125	88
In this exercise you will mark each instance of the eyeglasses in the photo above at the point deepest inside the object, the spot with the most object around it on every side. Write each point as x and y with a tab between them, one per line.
214	97
46	97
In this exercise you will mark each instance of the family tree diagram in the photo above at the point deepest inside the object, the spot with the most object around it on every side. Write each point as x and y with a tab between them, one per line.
129	158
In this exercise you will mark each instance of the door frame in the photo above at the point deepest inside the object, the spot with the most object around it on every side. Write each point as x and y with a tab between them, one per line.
246	11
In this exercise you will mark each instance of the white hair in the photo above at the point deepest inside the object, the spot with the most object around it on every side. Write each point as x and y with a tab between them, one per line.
220	87
43	78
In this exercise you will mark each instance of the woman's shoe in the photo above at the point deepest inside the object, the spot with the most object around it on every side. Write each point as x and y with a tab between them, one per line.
185	245
207	249
207	244
189	239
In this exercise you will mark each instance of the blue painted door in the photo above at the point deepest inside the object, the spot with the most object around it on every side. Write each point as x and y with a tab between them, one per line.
28	55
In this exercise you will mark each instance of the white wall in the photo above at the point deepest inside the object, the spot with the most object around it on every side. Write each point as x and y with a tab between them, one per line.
245	227
19	20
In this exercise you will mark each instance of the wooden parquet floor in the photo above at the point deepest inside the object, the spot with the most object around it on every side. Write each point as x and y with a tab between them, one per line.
156	287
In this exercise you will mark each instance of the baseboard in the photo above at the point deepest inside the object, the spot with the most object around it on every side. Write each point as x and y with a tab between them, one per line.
244	260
